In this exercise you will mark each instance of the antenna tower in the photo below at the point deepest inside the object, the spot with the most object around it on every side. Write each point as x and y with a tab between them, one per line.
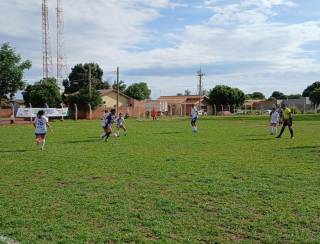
61	61
46	53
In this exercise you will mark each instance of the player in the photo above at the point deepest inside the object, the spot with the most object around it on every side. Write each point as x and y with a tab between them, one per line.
121	125
194	118
287	120
274	120
103	124
41	124
108	124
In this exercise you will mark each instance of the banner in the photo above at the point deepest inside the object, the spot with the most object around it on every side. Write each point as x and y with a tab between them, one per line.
49	112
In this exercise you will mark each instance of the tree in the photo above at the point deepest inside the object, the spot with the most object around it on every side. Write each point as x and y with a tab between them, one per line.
187	92
315	96
11	71
225	95
122	86
179	94
79	78
77	90
82	98
257	95
139	91
43	92
278	95
311	88
294	96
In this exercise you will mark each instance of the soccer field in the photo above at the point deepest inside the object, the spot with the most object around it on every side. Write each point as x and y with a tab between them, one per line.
231	182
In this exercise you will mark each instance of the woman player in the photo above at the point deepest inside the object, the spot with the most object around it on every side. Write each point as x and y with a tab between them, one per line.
108	124
104	119
121	125
41	123
274	120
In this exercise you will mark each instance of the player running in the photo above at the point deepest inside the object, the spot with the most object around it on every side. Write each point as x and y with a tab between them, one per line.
287	120
41	123
194	118
274	120
103	124
121	125
109	119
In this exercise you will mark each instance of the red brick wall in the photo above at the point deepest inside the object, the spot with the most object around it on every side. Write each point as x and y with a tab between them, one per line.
5	112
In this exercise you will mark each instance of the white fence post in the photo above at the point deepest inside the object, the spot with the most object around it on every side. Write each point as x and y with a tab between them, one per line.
90	111
12	116
30	106
76	111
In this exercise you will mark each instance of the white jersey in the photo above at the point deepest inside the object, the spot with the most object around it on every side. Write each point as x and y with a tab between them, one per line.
274	117
120	122
41	125
194	113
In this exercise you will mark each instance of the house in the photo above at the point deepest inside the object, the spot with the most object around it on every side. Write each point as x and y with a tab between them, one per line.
109	98
181	105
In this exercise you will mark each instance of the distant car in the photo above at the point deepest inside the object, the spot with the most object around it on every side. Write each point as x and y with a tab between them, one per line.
239	111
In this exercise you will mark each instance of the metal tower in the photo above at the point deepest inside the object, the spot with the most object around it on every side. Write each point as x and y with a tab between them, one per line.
61	60
46	53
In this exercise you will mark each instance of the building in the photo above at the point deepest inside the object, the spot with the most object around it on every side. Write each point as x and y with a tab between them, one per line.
181	105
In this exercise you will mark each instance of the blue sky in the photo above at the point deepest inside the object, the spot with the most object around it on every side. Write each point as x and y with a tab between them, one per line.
255	45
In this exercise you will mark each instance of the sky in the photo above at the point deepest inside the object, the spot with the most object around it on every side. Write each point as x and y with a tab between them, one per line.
255	45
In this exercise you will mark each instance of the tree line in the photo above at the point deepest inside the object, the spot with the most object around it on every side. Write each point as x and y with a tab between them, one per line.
78	90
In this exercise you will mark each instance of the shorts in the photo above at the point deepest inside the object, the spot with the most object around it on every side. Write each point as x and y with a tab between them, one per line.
108	126
120	126
194	120
42	135
273	123
287	122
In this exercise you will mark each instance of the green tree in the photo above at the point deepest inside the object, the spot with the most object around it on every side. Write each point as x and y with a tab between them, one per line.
82	98
11	71
257	95
79	78
315	96
43	92
278	95
139	91
311	88
225	95
122	86
179	94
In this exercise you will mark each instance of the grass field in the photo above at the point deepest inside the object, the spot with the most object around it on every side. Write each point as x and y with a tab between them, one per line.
231	182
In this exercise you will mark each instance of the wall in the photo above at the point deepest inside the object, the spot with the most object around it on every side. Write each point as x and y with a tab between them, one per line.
110	100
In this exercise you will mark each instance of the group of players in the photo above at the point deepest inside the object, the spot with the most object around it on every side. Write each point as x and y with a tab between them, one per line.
109	118
279	116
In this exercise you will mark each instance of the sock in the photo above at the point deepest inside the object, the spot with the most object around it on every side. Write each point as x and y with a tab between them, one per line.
43	143
281	132
275	130
272	131
291	131
108	134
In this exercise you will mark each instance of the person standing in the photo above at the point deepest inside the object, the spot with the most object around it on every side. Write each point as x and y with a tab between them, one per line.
287	120
274	120
194	118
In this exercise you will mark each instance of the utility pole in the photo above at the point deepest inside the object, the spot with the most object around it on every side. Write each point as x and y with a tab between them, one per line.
118	90
90	81
200	75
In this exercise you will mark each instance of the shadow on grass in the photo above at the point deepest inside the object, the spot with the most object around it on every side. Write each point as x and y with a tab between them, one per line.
259	139
168	133
17	151
82	141
304	147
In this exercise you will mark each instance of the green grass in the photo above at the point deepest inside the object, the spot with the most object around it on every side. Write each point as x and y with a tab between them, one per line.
231	182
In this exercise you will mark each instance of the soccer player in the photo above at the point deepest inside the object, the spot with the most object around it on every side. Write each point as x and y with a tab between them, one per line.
274	120
108	124
287	120
121	125
103	124
194	118
41	123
